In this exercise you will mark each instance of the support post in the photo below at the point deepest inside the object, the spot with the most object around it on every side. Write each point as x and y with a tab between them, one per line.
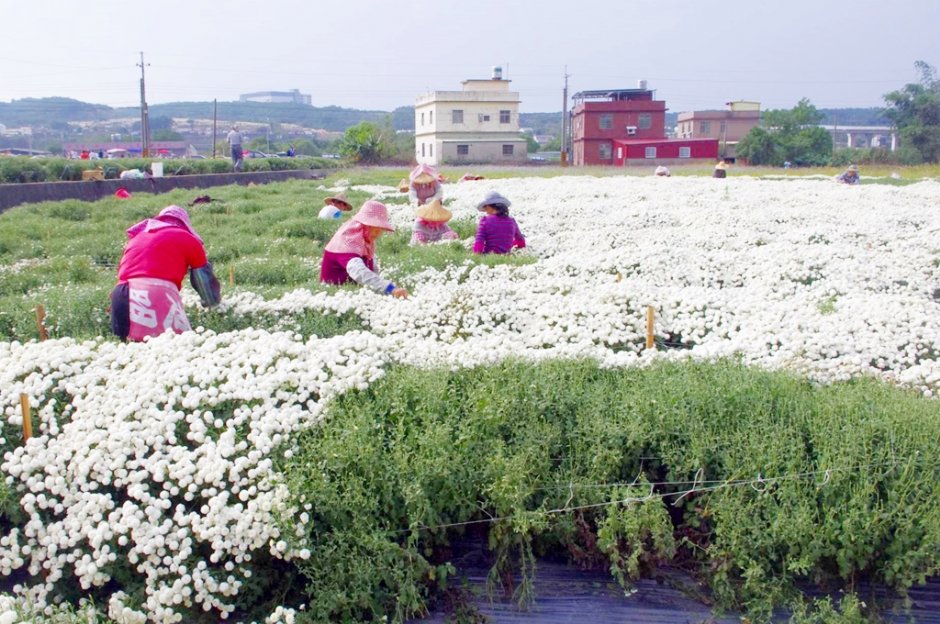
650	325
27	419
41	322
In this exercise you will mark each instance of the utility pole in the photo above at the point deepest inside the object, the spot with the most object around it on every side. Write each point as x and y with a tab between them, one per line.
215	120
564	122
144	113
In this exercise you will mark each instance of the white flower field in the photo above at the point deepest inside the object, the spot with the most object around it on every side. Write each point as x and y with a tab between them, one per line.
164	454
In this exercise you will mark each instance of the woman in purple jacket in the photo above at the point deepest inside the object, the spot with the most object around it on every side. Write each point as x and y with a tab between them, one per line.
497	232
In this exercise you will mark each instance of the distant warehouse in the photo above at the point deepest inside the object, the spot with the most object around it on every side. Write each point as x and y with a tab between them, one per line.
294	96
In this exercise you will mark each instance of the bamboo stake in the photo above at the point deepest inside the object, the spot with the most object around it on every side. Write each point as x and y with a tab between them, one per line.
650	323
27	420
40	322
231	275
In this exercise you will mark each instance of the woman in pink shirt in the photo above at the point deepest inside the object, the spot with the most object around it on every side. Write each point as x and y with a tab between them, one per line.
146	300
350	254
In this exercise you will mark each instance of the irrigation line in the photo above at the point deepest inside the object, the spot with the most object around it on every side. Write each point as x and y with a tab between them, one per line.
760	484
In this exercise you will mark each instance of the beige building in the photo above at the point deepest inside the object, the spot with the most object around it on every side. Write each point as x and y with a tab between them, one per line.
728	126
477	125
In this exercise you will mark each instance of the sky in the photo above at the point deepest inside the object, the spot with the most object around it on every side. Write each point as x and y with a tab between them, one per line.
379	55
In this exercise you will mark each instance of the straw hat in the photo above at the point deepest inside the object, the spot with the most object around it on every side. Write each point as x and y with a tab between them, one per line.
403	185
434	212
339	200
374	214
423	174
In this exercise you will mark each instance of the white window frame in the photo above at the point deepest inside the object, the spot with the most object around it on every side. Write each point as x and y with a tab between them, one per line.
649	152
685	152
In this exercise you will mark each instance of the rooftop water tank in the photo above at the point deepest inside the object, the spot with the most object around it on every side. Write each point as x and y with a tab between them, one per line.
641	84
497	73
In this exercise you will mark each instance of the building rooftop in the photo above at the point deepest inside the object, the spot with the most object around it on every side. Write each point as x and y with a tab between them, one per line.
611	94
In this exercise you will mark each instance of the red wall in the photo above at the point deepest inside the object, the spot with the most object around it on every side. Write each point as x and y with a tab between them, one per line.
665	150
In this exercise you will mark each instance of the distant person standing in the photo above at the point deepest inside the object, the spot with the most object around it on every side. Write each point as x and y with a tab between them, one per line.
235	141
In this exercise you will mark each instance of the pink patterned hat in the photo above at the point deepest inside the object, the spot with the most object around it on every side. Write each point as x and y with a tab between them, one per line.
374	214
168	217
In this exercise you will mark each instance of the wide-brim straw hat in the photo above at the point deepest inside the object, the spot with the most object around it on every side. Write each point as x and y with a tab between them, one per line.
403	185
374	214
423	174
340	201
434	212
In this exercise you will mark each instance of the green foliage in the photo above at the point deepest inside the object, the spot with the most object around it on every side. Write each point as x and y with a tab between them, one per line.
790	483
915	111
788	135
366	143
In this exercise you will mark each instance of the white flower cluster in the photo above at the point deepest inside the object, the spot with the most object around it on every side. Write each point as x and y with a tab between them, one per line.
155	453
162	451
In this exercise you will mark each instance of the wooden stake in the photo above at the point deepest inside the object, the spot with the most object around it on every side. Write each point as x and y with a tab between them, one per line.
650	323
40	322
27	420
231	275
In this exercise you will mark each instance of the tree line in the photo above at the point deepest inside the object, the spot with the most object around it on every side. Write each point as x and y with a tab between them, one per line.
794	135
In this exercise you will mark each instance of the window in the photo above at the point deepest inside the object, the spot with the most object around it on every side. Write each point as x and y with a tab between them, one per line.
685	152
431	117
504	116
422	119
705	127
431	150
456	116
481	117
603	151
422	150
650	152
463	150
722	128
644	121
507	150
606	122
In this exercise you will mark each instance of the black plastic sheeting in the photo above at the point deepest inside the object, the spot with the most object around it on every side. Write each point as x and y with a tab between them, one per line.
92	190
568	595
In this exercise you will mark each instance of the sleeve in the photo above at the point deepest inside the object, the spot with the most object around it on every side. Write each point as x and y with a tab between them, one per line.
195	253
361	274
518	240
480	240
449	234
418	237
206	284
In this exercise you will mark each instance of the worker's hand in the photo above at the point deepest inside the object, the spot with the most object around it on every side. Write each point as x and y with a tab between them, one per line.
400	293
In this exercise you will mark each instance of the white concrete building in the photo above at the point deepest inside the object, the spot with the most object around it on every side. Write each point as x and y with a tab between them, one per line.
477	125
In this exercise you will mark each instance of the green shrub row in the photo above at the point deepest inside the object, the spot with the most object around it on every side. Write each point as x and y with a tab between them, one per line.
22	169
790	483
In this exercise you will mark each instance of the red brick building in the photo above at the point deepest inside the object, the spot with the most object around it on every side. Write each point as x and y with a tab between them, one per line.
611	127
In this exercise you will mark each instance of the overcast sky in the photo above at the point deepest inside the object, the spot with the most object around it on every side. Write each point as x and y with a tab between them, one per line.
378	55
